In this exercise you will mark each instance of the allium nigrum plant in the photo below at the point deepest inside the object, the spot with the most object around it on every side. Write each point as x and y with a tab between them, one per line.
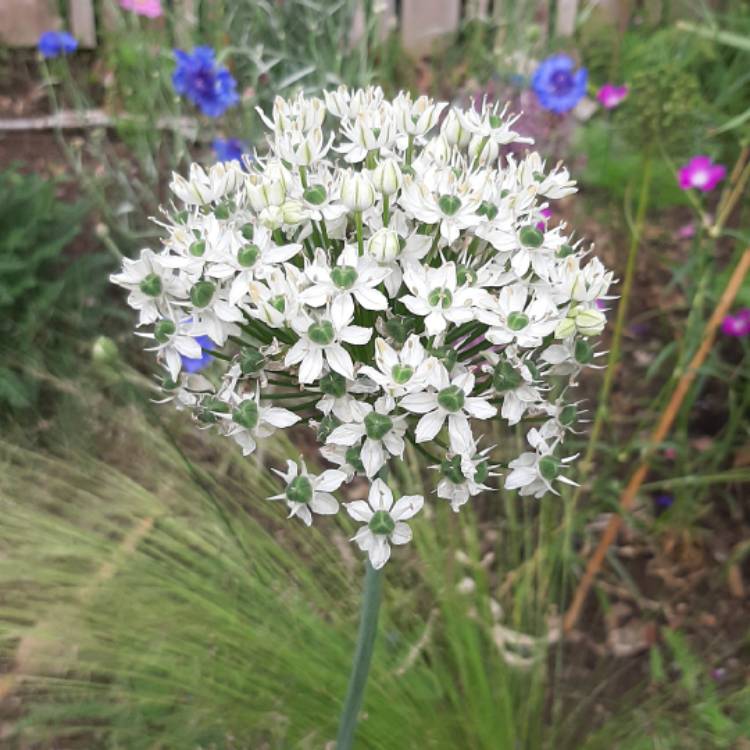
386	281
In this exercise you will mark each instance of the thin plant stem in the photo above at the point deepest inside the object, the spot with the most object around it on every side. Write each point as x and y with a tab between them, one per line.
368	626
668	416
622	311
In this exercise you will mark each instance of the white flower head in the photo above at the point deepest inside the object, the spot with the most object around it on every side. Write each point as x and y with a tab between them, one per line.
307	493
384	521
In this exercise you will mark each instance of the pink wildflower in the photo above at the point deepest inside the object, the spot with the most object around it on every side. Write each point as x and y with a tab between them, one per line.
148	8
701	173
610	96
737	325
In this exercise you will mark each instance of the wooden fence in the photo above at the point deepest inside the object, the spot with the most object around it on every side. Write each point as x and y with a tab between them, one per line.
420	21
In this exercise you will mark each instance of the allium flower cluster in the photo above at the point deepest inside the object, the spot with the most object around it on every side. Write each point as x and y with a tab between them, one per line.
384	276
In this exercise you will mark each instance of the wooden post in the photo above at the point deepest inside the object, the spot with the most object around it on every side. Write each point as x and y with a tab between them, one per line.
22	21
424	21
83	23
566	17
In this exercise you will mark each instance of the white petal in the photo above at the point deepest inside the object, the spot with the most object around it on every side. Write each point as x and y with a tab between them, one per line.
459	432
479	408
359	511
380	497
429	425
419	403
340	361
401	534
324	504
379	552
346	434
407	507
279	417
355	334
330	480
371	299
372	457
342	310
311	366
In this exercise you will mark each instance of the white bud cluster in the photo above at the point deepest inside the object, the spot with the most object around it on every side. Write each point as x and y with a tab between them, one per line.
386	278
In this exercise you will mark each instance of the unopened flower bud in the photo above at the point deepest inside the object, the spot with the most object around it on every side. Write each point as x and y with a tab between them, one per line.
263	193
386	177
590	322
384	245
483	151
104	351
453	130
272	217
293	212
565	328
439	150
357	192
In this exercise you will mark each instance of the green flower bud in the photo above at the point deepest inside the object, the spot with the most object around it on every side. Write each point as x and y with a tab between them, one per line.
583	352
299	490
450	468
251	361
202	293
590	322
517	321
449	204
315	194
377	426
440	298
400	327
402	374
247	414
549	467
505	377
151	285
565	328
382	523
333	384
344	277
353	458
104	351
568	415
164	330
452	398
198	249
248	255
531	237
321	333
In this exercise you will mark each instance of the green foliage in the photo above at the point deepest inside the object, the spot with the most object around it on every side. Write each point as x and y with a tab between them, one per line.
152	601
40	292
614	165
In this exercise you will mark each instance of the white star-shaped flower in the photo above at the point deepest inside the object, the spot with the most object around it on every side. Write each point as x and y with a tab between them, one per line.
384	521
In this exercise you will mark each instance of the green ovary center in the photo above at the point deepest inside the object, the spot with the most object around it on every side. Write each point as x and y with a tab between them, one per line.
321	333
377	426
381	523
440	298
299	490
451	398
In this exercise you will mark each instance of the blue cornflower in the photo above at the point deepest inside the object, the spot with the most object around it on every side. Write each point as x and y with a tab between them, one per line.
229	149
558	86
200	80
56	43
196	364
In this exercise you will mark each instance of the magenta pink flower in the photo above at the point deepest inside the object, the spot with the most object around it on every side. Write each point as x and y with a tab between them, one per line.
148	8
737	325
702	174
546	214
610	96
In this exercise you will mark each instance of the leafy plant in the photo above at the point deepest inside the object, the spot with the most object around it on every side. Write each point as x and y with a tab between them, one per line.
40	291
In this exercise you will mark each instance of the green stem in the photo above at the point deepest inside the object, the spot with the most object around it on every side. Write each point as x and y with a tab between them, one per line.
368	626
358	224
602	409
386	210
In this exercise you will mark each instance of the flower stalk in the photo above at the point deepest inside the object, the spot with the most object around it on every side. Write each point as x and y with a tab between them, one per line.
368	626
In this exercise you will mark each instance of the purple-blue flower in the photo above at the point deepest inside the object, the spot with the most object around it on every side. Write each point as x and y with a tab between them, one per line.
197	77
56	43
229	149
196	364
558	85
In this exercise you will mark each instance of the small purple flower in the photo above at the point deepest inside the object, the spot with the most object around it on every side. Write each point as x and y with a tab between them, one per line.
56	43
702	174
197	77
546	215
663	502
196	364
229	149
558	86
610	96
738	325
